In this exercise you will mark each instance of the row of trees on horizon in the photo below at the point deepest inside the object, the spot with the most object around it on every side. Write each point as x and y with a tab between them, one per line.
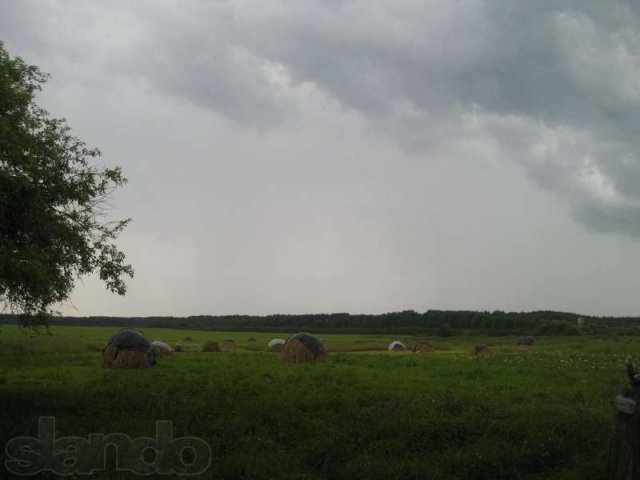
433	322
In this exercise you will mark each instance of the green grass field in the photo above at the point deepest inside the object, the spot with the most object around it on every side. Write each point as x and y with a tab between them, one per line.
366	413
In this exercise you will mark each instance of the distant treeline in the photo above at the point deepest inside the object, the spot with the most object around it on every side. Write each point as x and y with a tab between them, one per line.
432	322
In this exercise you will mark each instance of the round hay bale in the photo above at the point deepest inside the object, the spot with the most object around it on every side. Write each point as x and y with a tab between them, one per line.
114	358
128	348
210	346
228	343
527	341
481	350
422	347
178	347
276	345
303	348
252	340
161	349
396	346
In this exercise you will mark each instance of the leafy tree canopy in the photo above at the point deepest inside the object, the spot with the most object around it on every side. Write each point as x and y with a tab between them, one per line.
53	226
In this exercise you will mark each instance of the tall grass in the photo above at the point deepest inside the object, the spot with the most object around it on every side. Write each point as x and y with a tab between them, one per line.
366	413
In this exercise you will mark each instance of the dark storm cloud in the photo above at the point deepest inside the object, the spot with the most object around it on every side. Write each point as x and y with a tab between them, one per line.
555	85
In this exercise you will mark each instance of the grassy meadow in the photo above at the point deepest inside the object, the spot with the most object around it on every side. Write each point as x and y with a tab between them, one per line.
543	412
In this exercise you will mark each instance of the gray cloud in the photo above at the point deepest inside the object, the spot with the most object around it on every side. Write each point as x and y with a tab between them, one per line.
557	87
415	67
356	155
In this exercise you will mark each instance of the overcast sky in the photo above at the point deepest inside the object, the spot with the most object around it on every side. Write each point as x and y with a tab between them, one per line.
359	156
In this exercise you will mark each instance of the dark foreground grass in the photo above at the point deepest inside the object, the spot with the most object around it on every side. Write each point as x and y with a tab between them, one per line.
534	414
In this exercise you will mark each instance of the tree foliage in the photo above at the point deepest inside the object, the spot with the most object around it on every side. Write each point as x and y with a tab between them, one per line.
53	226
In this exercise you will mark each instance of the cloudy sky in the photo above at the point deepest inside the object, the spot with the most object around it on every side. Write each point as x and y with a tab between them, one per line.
360	156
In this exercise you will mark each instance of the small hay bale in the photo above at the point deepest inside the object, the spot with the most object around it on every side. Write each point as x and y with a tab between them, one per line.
526	341
228	343
161	349
422	347
252	340
481	350
188	339
178	347
276	345
128	348
303	348
210	346
396	346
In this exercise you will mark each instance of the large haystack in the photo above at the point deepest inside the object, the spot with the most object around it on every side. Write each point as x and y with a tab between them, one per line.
396	346
481	350
128	348
525	341
303	348
210	346
161	349
423	346
276	345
